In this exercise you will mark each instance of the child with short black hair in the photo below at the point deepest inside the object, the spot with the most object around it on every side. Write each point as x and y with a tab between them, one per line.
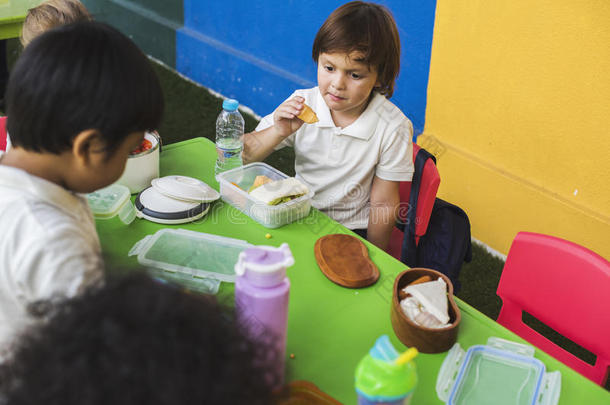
136	341
359	151
78	100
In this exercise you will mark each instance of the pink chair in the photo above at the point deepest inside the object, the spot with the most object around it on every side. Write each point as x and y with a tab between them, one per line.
565	286
2	133
427	194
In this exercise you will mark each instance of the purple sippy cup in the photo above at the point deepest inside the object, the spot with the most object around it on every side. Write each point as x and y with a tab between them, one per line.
261	295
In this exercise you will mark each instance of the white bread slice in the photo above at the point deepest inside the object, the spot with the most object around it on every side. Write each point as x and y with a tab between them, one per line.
273	192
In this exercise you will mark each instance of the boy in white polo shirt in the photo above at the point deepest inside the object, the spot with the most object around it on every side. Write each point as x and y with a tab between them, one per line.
78	101
359	151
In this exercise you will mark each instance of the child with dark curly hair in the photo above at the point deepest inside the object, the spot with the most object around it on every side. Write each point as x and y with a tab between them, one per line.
137	341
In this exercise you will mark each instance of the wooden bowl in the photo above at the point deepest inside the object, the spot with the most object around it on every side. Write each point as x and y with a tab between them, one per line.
426	340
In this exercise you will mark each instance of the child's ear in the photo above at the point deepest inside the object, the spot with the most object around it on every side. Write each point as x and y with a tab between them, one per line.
87	146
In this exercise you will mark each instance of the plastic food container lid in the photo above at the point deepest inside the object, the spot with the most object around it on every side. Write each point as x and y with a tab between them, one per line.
111	201
192	253
175	200
185	188
501	372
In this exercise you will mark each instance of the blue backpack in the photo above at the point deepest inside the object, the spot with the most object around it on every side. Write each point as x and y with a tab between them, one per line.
447	243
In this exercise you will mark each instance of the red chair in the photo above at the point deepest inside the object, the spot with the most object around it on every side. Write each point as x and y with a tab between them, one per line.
2	133
565	286
427	194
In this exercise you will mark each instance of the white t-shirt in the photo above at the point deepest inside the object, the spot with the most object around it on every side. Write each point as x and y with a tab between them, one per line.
48	247
339	164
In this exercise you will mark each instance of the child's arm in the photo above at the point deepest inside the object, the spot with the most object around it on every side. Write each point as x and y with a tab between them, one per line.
259	144
384	206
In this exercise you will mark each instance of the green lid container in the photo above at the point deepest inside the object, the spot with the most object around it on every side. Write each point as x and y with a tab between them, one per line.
111	201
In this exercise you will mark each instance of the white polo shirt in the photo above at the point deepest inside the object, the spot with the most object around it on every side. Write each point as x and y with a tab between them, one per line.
339	164
48	247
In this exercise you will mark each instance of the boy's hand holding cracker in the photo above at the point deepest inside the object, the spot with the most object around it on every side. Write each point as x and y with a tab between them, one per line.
291	115
287	119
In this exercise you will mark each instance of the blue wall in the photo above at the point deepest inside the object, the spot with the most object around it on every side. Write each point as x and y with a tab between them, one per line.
260	52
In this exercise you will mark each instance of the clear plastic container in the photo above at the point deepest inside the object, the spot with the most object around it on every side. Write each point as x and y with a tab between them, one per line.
500	373
111	201
233	189
192	254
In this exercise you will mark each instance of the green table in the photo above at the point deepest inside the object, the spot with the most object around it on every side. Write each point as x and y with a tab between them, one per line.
330	328
12	14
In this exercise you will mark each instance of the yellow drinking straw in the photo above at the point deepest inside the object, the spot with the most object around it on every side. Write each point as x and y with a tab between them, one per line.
406	356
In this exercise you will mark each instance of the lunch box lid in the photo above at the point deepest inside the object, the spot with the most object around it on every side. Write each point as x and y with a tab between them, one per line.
501	372
175	200
111	201
190	253
185	188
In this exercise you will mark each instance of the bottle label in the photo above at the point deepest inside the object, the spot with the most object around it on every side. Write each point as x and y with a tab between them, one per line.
229	149
224	154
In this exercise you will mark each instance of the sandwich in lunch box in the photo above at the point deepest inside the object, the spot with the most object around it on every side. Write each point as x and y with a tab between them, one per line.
277	192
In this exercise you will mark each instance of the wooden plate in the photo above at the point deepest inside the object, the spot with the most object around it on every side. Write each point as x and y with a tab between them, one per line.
344	259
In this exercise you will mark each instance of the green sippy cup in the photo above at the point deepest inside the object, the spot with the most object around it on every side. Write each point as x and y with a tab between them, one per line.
385	377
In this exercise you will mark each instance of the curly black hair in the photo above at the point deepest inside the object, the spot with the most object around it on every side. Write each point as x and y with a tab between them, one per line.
138	341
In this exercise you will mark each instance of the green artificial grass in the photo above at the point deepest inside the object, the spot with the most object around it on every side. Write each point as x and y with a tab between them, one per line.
479	280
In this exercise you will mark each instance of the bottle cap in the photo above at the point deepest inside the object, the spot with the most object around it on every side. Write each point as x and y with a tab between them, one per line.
264	266
230	104
383	375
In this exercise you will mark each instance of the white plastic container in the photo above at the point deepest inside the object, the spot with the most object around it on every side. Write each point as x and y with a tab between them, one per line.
233	190
142	168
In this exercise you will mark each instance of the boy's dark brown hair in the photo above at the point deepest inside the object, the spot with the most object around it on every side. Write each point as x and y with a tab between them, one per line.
367	28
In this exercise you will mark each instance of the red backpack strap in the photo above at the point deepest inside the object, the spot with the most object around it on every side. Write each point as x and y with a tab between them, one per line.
3	133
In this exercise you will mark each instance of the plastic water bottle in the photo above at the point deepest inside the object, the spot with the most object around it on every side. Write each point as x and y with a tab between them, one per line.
229	137
261	297
384	376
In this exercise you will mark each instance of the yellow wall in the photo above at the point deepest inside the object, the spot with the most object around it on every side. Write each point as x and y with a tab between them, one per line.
519	100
